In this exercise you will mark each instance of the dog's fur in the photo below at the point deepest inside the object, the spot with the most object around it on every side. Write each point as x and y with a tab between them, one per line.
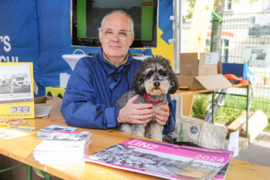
155	78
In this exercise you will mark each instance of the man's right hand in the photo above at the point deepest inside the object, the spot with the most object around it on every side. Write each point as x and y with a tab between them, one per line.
135	113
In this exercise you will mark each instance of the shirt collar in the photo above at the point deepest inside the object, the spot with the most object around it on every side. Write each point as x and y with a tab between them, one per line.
108	66
105	57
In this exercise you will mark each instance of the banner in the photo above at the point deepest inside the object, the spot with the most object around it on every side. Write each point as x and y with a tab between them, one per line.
38	31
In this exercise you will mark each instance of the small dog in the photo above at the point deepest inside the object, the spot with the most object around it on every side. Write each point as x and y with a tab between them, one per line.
152	82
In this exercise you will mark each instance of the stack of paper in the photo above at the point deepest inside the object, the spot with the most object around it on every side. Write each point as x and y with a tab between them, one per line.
43	133
63	148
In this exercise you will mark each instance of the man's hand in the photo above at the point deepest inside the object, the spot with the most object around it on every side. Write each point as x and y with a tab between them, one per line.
162	115
135	113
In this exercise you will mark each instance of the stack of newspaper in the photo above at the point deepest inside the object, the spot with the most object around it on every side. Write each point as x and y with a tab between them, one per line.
63	148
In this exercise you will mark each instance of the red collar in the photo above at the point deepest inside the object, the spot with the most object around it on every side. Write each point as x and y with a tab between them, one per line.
150	101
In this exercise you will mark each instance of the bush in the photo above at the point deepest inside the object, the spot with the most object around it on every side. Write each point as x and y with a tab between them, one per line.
231	110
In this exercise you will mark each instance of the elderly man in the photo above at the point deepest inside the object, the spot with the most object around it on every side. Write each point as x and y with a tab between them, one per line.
97	82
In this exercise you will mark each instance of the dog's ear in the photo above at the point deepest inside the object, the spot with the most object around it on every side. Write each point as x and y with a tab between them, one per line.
138	83
174	83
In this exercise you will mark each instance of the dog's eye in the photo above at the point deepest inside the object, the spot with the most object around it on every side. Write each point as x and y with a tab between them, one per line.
162	73
150	73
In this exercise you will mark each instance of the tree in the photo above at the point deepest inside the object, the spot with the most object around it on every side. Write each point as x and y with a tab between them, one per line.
216	24
216	40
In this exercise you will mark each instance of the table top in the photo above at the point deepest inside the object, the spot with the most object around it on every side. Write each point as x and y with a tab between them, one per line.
21	149
190	92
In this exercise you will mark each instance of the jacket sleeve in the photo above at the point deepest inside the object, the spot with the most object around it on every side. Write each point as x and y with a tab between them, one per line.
81	106
170	125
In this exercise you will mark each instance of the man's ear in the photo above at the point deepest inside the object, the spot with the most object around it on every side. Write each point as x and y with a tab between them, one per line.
100	36
132	39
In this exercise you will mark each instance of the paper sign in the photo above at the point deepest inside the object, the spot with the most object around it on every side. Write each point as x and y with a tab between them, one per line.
211	58
233	143
16	90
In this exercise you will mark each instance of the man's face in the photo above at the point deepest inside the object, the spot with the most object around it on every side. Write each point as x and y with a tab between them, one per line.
115	48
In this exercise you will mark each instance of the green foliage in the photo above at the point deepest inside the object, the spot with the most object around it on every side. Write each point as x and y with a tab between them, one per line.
230	110
200	105
216	2
190	10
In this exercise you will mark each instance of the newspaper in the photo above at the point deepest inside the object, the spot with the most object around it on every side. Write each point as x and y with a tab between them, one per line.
162	159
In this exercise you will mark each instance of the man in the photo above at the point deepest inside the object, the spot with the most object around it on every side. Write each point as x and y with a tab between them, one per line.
97	82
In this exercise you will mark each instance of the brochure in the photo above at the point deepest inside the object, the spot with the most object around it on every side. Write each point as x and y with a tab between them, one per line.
43	133
16	90
162	159
63	148
15	131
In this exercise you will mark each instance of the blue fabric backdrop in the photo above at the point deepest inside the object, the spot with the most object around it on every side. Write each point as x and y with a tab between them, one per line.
38	31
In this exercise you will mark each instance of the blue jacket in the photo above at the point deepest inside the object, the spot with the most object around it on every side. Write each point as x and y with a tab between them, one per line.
93	88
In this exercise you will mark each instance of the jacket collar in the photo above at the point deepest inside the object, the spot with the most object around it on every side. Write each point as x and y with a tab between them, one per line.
109	67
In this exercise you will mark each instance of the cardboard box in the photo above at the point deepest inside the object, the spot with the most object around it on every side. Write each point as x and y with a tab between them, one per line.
189	81
235	143
192	65
43	101
217	81
201	72
239	122
256	124
55	102
243	143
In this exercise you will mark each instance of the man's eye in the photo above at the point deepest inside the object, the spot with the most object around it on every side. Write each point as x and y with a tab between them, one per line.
162	73
122	34
108	32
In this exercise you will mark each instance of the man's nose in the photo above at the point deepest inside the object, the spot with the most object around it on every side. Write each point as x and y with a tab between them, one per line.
115	37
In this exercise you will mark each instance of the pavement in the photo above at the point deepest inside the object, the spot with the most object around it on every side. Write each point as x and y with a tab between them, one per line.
258	152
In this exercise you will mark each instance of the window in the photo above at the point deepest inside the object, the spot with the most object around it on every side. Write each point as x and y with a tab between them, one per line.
19	78
225	50
228	5
267	4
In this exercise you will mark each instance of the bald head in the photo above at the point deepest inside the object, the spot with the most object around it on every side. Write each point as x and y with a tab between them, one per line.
121	12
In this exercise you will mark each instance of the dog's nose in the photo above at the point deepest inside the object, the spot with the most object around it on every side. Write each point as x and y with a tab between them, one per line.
156	84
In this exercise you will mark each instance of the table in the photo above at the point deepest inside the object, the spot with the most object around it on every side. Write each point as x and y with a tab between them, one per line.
21	150
190	92
179	93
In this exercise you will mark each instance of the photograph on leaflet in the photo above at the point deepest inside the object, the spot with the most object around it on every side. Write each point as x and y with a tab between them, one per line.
256	56
15	83
259	26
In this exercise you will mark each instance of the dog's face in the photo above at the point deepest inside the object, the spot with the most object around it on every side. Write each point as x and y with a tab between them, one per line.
155	77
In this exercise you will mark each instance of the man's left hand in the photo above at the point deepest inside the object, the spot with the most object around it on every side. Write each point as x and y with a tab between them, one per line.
162	115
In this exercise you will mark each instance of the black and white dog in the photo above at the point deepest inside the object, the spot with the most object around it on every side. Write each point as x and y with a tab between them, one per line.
152	82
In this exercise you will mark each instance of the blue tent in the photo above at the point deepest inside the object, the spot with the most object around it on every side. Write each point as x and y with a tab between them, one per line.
38	31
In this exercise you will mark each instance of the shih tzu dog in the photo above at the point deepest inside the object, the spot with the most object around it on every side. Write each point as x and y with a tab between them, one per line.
152	82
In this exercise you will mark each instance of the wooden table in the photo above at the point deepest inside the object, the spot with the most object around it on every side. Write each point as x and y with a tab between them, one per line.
21	149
